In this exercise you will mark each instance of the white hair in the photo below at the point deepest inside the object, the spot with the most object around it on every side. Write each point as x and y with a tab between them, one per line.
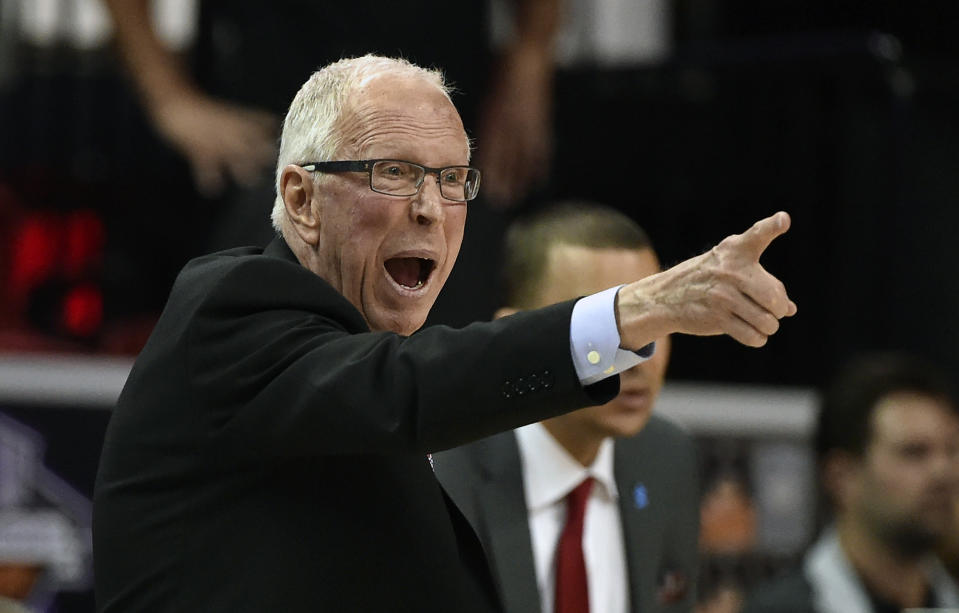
311	130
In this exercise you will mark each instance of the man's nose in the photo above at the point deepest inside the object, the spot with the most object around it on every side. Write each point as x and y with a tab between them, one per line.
427	205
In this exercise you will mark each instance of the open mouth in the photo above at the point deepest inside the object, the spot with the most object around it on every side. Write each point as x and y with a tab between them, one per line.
411	273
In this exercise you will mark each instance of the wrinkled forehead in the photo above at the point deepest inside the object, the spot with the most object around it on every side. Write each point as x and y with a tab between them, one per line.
402	93
400	106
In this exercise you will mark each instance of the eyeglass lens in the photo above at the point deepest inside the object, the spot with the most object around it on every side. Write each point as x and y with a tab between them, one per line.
403	179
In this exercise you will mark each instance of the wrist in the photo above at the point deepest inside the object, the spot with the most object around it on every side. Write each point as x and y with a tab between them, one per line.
640	317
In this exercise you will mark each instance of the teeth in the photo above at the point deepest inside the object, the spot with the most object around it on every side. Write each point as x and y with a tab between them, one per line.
418	285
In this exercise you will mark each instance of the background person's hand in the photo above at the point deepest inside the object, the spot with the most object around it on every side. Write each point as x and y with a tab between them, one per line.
515	134
515	143
722	291
220	141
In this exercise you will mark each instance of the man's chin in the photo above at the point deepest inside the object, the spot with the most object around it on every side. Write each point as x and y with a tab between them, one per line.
625	425
404	322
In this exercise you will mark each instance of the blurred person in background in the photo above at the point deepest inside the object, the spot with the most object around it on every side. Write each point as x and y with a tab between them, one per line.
640	531
728	530
888	447
727	516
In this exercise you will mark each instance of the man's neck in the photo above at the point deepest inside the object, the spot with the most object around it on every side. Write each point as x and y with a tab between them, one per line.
888	574
583	446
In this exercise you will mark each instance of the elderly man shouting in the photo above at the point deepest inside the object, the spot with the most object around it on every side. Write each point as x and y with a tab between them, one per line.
269	451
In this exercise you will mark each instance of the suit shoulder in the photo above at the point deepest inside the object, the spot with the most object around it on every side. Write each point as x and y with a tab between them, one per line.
453	462
663	426
249	280
472	458
202	275
208	270
668	455
660	433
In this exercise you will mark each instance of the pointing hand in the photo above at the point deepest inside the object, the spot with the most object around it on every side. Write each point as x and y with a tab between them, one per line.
722	291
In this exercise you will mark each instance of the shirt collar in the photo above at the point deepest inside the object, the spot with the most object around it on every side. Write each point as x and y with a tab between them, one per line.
550	472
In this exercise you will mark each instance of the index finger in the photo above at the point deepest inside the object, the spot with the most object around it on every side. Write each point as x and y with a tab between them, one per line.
756	239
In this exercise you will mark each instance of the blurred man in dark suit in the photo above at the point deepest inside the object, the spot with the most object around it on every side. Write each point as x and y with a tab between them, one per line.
641	526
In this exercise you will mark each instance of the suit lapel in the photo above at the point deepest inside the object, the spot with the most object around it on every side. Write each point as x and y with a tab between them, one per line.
502	506
639	529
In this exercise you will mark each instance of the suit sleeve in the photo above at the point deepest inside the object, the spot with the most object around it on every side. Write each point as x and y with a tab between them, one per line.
277	372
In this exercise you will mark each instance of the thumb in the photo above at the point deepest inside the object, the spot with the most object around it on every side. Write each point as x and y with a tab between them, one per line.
756	239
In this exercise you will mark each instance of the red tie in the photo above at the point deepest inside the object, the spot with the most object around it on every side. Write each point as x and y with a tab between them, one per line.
572	593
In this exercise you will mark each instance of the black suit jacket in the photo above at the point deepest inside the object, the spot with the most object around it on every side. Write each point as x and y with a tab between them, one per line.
268	452
656	475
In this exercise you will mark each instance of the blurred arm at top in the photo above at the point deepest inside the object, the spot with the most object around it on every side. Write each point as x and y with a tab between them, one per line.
221	141
515	132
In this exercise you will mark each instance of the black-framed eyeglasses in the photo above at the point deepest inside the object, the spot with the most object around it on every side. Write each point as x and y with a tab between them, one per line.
401	178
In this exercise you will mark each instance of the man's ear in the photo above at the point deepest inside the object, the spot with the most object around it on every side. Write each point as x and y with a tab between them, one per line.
297	190
504	311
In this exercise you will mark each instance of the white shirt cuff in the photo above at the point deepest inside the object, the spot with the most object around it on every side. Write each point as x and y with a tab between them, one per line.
594	339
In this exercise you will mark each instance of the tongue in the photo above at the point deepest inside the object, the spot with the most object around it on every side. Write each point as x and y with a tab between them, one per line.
405	271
